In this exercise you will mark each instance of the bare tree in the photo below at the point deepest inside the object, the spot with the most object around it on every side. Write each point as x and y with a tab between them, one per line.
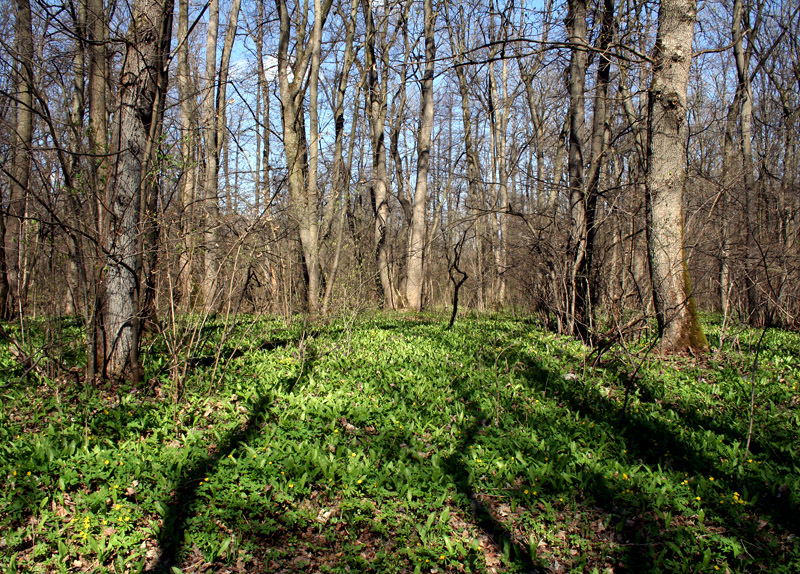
302	180
416	245
457	36
215	126
143	83
678	324
21	168
376	71
744	99
577	300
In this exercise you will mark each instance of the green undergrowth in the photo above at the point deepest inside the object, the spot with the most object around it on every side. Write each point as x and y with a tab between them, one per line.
390	444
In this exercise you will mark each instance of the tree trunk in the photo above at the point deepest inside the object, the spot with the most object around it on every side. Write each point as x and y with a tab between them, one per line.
678	324
341	171
188	142
303	194
728	179
417	243
263	111
309	218
576	300
143	83
586	288
215	124
210	184
21	162
379	188
100	191
499	110
745	97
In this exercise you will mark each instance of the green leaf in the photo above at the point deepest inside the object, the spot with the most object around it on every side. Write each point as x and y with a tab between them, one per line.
224	546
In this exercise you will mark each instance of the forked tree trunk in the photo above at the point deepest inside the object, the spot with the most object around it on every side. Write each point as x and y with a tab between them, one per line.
678	324
214	122
379	187
303	194
143	83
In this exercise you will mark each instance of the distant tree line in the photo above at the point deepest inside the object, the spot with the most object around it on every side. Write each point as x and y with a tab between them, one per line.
592	162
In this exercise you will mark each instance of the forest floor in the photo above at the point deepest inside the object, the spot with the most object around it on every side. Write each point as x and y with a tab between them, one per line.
390	444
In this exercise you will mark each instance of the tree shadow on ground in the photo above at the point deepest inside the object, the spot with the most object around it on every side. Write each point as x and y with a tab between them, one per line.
660	445
516	551
644	534
640	536
487	512
655	442
171	538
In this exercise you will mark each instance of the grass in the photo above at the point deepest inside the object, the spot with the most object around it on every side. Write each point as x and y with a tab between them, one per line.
394	445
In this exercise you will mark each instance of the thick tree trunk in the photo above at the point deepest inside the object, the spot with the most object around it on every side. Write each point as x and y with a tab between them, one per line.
416	245
678	323
309	218
142	88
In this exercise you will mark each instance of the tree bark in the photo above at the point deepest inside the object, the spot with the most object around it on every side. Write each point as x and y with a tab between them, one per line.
143	83
210	183
745	98
576	299
303	194
667	130
376	112
417	243
188	142
601	135
215	124
21	162
499	110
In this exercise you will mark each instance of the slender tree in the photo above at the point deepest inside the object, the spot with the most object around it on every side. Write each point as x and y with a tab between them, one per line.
416	244
577	301
23	138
